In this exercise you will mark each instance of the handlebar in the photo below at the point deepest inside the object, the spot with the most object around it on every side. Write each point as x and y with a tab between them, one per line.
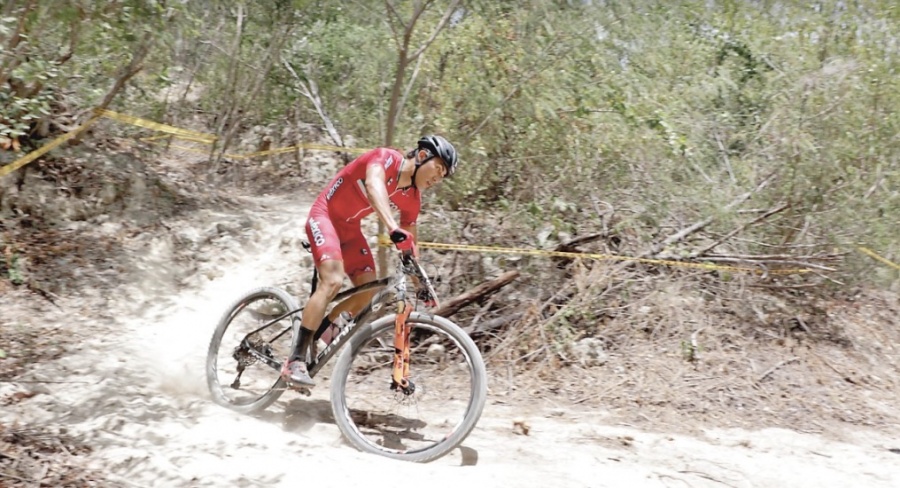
410	266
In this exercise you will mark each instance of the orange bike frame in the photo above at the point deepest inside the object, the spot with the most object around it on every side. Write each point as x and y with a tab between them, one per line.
401	345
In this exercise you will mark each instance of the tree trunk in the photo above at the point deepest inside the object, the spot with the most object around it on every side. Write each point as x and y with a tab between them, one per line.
395	106
125	74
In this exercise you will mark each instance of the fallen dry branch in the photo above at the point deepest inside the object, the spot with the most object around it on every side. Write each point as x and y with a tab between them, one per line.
455	304
696	226
768	257
769	262
309	89
775	368
572	246
740	229
489	325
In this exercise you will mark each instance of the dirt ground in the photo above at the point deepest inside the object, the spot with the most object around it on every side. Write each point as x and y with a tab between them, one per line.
117	395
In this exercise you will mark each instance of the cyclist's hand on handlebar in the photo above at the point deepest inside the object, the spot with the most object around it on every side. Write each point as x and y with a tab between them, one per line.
425	297
404	241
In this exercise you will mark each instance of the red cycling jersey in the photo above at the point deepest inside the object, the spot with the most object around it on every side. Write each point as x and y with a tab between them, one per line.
334	223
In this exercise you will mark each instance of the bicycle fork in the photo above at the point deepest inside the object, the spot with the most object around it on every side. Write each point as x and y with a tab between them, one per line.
400	373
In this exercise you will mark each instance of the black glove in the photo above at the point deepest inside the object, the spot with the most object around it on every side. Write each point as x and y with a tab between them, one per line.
424	296
404	241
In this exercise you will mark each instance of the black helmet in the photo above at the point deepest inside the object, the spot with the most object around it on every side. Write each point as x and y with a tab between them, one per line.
440	147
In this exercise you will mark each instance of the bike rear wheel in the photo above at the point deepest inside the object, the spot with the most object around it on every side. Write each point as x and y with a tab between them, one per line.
448	395
237	378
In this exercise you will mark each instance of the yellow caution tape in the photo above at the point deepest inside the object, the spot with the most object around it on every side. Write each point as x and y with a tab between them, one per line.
149	124
383	240
281	150
170	131
269	152
878	258
9	168
173	136
264	153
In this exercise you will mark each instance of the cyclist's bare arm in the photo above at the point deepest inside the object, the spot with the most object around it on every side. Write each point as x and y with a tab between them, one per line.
376	189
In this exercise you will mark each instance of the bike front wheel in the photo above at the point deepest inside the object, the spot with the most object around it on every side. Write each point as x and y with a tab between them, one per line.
423	422
242	361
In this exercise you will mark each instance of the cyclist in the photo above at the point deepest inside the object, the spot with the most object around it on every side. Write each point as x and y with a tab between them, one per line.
374	182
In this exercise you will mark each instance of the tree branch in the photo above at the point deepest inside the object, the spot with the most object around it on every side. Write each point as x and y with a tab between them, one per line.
437	30
740	229
12	46
392	11
20	26
787	262
412	80
774	368
136	64
310	91
680	235
456	303
73	37
250	96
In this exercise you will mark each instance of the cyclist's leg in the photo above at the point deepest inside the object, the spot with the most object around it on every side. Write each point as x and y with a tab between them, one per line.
326	249
351	304
360	267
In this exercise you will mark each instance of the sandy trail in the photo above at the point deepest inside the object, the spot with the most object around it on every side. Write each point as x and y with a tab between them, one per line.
135	390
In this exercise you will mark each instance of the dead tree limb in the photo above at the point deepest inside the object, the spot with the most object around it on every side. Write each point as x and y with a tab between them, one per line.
774	368
740	229
783	262
75	30
455	304
489	325
571	246
308	88
127	72
680	235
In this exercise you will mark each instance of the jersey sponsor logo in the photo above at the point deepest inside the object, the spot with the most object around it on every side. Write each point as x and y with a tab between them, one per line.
318	237
389	162
337	184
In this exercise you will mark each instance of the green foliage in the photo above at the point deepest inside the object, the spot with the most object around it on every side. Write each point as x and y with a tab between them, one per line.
660	113
14	270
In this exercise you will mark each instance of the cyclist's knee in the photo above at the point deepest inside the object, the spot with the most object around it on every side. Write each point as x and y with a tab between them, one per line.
331	284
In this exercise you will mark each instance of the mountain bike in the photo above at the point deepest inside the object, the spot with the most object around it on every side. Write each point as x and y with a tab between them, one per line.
408	385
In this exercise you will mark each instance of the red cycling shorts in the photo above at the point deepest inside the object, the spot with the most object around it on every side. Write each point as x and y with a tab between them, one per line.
339	242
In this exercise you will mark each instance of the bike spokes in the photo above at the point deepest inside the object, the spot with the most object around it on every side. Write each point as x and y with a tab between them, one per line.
250	353
412	415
